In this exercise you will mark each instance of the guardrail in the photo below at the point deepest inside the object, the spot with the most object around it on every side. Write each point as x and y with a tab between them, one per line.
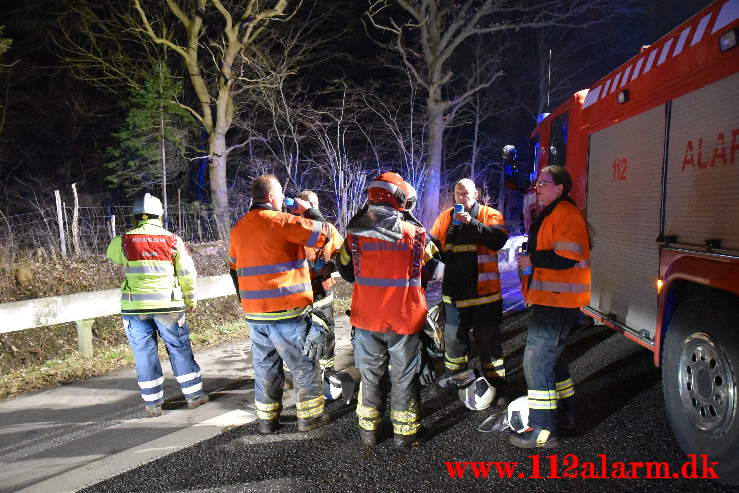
83	308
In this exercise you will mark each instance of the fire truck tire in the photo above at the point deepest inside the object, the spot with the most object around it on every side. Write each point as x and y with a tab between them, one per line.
700	379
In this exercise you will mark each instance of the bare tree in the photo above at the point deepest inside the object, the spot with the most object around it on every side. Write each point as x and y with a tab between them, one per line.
430	35
213	40
5	44
282	57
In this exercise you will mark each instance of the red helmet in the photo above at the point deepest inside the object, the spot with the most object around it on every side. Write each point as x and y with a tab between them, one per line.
388	188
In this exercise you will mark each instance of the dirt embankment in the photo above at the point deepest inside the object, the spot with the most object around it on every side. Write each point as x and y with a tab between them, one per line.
38	278
36	358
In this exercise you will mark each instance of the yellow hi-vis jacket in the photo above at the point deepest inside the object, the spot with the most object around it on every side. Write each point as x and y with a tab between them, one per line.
160	274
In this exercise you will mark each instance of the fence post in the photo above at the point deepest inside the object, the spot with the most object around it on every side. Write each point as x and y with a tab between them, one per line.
60	221
112	225
84	336
76	221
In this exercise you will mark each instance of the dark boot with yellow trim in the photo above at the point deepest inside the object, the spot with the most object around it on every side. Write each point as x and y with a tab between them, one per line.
534	438
309	424
369	437
406	441
268	426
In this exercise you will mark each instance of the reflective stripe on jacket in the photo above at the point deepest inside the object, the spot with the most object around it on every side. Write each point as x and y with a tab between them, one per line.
321	279
565	231
160	274
267	252
471	268
387	294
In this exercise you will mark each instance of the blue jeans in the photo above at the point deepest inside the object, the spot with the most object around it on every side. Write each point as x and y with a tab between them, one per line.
550	387
275	342
142	332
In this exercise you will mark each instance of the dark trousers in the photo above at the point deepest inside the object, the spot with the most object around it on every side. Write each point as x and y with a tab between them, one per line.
484	320
373	351
548	378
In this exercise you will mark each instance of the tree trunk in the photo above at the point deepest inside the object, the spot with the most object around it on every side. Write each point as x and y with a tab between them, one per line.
433	165
218	184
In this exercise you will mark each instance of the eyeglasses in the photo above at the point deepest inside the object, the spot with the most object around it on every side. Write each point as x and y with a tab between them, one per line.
540	184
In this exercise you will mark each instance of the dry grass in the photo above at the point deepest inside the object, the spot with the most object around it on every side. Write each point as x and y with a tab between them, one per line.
37	358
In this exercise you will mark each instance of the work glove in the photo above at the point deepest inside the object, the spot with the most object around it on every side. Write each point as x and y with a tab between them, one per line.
427	374
315	340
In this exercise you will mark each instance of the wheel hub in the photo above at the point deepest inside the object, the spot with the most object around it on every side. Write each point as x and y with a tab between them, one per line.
707	387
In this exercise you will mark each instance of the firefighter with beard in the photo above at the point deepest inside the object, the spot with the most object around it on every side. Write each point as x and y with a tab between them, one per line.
384	255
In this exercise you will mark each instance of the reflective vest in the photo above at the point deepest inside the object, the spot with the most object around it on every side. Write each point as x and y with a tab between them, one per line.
267	252
160	274
387	294
323	283
470	269
565	231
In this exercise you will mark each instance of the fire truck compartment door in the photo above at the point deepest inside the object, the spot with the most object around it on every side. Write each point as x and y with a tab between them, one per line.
702	195
623	210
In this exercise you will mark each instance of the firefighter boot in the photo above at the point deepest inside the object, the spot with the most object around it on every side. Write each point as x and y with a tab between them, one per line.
313	423
406	441
198	401
534	438
369	437
268	426
154	411
566	421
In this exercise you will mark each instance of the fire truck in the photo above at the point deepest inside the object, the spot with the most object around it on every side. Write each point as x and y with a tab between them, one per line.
653	150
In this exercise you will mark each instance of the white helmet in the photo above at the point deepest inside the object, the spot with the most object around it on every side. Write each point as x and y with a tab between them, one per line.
338	384
478	395
148	204
518	414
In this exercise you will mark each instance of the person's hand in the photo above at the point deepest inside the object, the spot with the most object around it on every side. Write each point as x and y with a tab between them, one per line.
524	261
301	206
463	217
427	374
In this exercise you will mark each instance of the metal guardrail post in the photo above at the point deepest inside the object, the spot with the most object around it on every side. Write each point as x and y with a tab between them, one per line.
84	336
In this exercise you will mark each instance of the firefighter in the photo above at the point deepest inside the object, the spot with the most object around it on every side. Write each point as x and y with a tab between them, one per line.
558	287
322	263
383	255
469	241
159	286
268	263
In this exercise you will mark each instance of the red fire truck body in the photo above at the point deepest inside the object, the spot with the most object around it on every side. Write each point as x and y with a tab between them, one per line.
653	149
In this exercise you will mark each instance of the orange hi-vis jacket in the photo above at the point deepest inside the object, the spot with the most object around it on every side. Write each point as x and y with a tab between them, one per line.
326	252
387	294
268	254
565	232
471	267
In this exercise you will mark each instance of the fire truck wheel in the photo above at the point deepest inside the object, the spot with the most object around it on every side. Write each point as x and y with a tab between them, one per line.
700	379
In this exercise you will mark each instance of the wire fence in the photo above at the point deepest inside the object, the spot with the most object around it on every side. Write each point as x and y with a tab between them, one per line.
38	232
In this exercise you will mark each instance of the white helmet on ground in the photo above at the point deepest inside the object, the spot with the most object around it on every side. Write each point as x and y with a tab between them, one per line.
148	204
338	384
518	414
478	395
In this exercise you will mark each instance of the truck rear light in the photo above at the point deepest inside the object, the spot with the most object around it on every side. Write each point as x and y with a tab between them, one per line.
727	40
622	96
659	285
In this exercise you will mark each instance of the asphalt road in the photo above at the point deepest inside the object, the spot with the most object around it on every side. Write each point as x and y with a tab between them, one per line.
620	412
